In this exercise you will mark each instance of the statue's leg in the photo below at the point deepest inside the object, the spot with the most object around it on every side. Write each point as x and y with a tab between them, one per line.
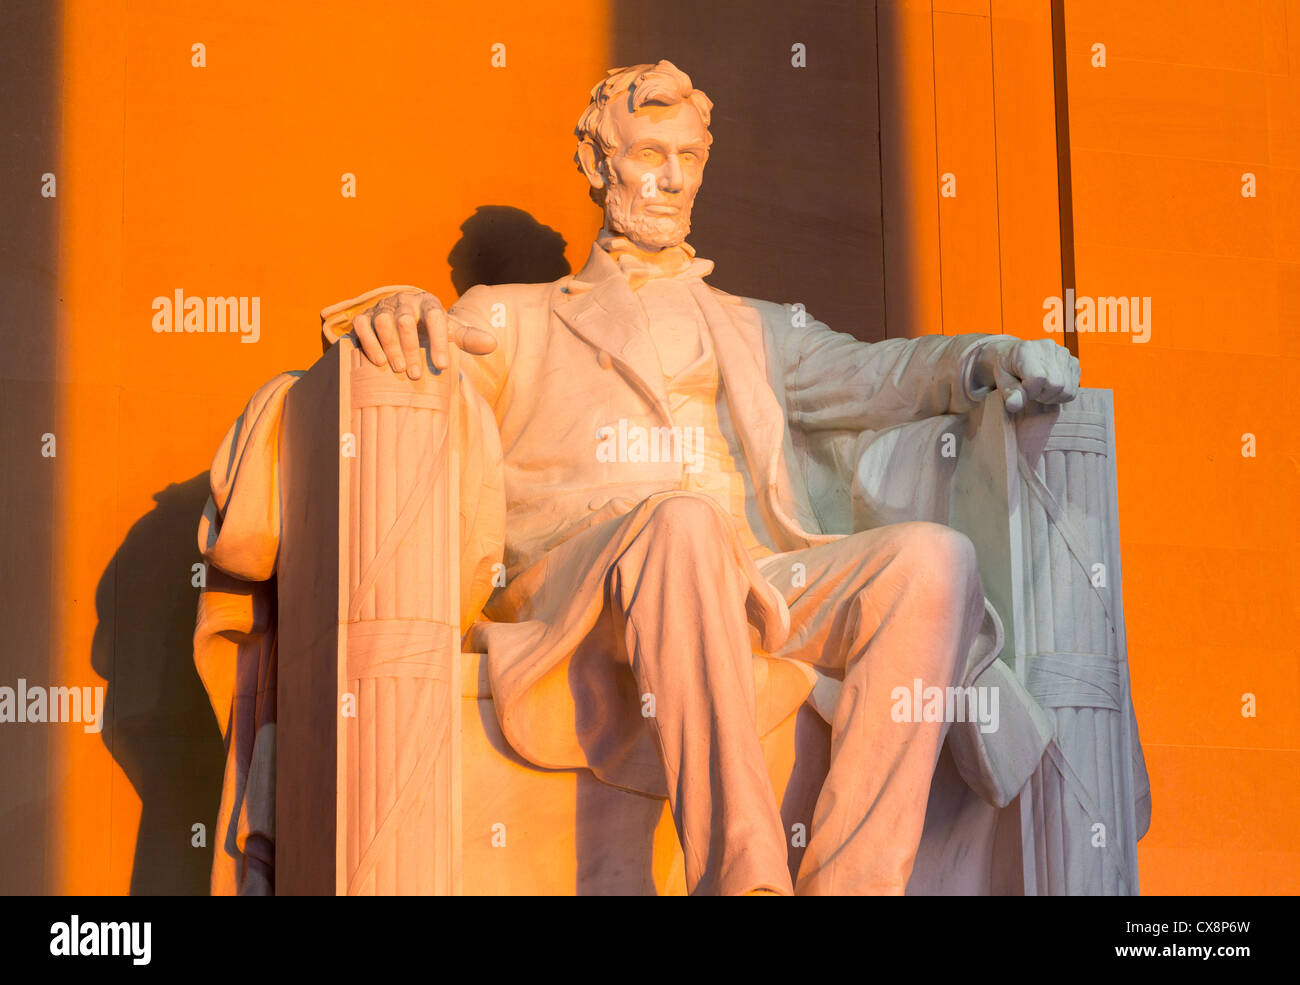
678	600
884	609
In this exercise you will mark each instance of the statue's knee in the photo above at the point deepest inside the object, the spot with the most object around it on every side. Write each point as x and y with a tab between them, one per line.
939	556
687	537
689	519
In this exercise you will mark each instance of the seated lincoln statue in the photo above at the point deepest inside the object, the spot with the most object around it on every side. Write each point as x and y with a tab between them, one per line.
656	533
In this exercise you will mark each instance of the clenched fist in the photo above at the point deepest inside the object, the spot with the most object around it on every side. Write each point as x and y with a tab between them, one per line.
390	333
1041	371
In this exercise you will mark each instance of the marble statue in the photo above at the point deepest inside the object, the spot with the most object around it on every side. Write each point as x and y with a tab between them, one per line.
656	541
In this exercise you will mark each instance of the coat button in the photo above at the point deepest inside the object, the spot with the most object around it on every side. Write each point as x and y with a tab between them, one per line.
604	359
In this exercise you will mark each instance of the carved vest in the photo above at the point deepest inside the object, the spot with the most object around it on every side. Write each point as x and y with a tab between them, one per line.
713	459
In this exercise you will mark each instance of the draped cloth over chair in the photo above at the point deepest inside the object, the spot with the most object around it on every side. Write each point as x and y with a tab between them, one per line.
1037	495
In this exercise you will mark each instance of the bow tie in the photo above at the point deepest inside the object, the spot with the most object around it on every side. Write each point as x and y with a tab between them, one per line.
675	262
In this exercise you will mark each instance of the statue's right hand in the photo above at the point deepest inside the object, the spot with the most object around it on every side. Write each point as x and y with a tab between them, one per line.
390	331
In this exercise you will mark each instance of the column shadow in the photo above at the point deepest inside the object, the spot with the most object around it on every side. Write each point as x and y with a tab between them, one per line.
31	792
790	210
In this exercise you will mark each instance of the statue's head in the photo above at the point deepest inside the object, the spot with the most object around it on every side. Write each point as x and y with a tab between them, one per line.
642	144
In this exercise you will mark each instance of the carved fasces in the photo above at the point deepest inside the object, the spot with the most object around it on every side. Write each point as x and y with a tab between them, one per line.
403	631
367	798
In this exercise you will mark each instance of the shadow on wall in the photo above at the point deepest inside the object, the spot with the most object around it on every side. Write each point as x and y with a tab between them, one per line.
500	244
159	724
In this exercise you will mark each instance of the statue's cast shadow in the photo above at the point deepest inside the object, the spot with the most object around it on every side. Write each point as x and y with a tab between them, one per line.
500	244
158	723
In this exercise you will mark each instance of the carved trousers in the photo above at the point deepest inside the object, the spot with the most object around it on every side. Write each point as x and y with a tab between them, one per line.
878	610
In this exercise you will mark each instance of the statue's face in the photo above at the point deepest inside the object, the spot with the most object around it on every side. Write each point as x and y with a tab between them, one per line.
652	179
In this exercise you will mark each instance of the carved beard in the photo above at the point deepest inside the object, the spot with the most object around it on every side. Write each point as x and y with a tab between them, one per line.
655	232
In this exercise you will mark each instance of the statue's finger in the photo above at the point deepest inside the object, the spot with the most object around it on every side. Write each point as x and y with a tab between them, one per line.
1011	388
435	321
365	333
408	335
386	330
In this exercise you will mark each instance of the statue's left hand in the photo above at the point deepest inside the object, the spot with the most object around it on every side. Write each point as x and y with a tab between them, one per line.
1042	371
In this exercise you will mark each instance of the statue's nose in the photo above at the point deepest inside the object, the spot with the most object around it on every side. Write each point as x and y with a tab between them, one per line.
671	179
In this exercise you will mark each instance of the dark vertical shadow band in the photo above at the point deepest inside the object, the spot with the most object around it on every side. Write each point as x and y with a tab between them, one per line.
1064	189
790	210
30	34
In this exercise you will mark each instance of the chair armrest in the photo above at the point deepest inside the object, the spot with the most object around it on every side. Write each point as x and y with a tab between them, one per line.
369	631
1037	494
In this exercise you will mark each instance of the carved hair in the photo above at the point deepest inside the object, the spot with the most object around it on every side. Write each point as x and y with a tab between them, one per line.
663	84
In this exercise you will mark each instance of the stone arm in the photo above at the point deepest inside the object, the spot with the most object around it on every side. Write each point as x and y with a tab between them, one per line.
834	382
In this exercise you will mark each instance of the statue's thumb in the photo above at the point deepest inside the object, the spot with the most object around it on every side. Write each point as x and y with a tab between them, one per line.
470	338
1013	394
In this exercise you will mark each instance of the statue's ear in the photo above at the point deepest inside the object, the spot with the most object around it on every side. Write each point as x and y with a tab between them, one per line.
592	164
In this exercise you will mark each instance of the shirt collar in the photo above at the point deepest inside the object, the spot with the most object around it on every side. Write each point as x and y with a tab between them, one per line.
615	254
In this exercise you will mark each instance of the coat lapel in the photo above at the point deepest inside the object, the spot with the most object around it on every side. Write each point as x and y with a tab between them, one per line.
604	311
755	410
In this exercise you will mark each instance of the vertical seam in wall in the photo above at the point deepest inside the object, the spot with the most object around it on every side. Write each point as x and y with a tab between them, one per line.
934	181
997	181
116	774
880	162
121	253
1064	183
